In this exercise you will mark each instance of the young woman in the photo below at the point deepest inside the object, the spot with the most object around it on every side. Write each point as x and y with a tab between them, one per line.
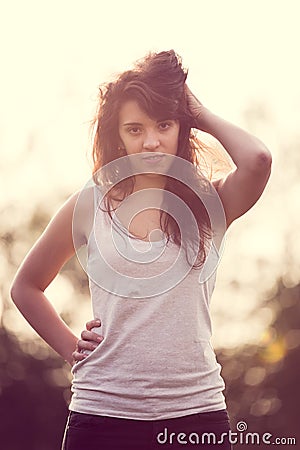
152	224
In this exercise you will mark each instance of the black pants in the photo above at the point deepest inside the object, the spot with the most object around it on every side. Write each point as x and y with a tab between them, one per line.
202	431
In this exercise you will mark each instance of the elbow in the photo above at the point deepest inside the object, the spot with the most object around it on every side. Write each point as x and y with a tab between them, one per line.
17	291
263	161
22	289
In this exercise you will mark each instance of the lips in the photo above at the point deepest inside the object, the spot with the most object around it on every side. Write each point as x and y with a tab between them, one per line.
154	157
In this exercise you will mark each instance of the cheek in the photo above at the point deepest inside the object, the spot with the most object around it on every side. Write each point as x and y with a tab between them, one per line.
131	146
176	142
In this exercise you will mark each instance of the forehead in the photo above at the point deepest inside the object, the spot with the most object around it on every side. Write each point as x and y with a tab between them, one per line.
130	111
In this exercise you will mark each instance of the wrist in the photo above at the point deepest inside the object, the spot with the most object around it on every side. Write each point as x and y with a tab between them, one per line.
69	350
70	361
204	120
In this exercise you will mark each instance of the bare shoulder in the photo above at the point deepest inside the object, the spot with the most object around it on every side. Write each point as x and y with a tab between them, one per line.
75	217
61	225
83	215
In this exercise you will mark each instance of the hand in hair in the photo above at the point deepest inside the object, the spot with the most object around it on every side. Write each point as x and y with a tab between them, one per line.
195	106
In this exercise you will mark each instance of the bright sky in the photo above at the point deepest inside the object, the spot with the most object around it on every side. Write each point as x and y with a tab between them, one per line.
55	54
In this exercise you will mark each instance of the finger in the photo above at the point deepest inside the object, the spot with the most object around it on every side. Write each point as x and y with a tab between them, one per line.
86	345
93	324
78	356
91	336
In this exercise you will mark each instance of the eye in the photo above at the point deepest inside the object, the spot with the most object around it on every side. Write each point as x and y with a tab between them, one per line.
134	130
164	126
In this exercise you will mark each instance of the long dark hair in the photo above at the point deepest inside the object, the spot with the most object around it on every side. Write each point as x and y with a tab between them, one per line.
157	84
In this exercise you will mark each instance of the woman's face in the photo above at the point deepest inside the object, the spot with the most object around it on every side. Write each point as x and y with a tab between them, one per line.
139	133
150	138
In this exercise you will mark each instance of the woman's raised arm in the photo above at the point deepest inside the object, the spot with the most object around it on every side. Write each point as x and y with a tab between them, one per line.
243	186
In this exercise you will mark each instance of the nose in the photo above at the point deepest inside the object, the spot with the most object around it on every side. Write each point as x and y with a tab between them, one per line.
151	142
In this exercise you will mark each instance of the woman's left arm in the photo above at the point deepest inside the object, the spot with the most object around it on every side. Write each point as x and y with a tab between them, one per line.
243	186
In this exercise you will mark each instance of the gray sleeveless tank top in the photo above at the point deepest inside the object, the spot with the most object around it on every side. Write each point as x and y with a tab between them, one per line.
156	360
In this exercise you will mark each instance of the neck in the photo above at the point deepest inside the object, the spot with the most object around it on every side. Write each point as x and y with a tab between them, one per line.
149	181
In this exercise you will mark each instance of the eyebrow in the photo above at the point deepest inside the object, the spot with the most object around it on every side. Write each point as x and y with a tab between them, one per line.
132	123
140	124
